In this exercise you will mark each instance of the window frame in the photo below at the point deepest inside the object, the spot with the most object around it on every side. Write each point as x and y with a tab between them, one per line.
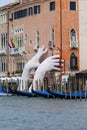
52	6
20	14
37	9
72	8
30	11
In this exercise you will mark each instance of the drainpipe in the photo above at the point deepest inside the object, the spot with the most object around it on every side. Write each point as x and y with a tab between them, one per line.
61	43
7	41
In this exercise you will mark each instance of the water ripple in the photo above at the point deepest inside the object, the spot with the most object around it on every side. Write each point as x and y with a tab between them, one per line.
23	113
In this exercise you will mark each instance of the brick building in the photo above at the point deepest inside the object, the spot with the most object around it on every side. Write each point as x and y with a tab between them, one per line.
53	23
67	32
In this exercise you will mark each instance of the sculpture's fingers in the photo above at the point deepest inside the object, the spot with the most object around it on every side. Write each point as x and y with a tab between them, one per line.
55	57
43	47
56	60
56	68
39	49
62	60
56	64
45	51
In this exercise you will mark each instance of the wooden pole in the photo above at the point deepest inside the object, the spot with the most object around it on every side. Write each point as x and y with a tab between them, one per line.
65	89
75	89
70	88
7	86
85	87
80	89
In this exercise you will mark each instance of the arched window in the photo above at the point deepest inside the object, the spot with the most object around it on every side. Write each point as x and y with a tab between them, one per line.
73	39
73	35
73	62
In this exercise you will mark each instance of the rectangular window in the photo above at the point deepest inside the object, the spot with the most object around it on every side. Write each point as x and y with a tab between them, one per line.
52	6
24	12
20	67
20	14
3	66
37	9
72	5
15	15
3	40
30	11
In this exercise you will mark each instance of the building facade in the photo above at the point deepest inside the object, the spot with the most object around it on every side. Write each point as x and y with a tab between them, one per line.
3	42
54	23
4	39
67	32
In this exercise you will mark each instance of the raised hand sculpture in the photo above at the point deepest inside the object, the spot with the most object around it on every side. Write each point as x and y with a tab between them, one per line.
51	63
31	64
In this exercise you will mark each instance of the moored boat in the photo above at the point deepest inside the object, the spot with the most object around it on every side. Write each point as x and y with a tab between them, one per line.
3	93
69	95
43	93
25	93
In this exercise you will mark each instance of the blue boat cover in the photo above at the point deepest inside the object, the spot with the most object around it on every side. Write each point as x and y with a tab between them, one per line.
0	87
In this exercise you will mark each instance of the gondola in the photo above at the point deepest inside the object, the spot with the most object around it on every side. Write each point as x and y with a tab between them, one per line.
23	93
19	92
5	94
42	93
69	95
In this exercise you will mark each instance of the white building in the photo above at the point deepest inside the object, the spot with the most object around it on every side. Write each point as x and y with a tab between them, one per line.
83	33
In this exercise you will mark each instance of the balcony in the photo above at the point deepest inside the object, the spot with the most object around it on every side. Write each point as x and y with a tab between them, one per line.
3	51
73	45
17	51
75	67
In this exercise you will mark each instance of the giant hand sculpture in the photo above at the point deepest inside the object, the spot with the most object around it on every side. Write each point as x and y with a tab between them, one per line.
51	63
33	63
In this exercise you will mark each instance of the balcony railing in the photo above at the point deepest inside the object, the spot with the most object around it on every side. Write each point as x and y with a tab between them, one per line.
17	51
74	44
3	51
75	67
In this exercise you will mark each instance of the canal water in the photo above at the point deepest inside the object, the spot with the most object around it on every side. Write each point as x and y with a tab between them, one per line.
24	113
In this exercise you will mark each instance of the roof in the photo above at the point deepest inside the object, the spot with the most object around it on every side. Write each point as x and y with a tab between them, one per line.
82	74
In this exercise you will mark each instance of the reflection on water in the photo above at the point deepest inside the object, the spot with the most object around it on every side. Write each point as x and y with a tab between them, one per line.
23	113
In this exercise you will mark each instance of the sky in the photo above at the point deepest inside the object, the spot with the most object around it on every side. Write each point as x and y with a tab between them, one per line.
4	2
